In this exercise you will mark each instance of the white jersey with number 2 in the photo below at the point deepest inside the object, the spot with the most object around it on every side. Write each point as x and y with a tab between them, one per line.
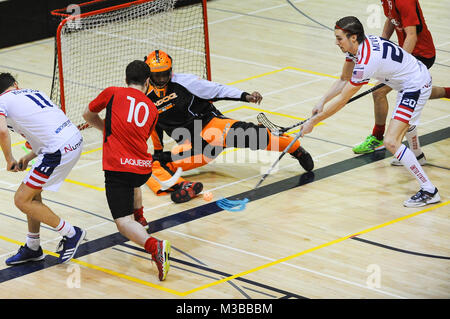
33	115
385	61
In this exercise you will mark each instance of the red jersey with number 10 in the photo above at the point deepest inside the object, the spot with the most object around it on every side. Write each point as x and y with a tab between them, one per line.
130	119
405	13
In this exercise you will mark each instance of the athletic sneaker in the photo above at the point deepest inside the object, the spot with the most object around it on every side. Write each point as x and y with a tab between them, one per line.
186	191
70	245
304	158
24	255
162	258
139	217
421	158
370	145
423	198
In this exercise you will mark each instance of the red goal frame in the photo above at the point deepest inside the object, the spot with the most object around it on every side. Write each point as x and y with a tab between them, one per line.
68	17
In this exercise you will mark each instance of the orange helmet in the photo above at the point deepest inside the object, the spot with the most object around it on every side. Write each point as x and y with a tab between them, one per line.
159	61
160	64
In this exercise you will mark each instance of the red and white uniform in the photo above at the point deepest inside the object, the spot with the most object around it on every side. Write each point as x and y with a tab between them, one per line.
388	63
130	119
52	136
405	13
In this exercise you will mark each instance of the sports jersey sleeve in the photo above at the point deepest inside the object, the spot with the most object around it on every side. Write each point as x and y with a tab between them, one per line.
208	90
385	7
3	109
101	101
408	13
360	75
349	57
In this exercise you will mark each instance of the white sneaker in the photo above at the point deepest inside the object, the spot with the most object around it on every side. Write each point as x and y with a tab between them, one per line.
422	198
421	158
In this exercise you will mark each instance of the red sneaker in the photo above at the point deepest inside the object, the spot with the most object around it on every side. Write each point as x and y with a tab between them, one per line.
161	258
186	191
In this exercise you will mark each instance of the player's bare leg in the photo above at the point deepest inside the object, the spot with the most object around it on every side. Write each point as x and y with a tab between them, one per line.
438	92
159	249
29	201
374	141
25	200
132	230
381	105
428	193
34	225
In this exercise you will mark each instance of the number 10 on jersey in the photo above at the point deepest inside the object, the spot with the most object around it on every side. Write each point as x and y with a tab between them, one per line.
133	112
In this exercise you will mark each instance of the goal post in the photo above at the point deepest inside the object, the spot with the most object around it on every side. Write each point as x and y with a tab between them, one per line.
94	46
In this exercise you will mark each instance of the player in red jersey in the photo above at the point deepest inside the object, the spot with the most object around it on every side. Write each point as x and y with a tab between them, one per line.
406	18
130	119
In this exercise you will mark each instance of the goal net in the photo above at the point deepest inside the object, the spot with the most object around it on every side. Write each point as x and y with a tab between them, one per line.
94	46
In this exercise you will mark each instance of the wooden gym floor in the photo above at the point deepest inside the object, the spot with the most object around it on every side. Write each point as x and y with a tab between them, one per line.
338	232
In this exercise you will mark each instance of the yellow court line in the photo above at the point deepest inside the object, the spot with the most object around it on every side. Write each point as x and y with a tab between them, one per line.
127	277
92	151
258	76
318	73
235	109
105	270
263	110
312	72
312	249
182	294
18	143
102	189
270	112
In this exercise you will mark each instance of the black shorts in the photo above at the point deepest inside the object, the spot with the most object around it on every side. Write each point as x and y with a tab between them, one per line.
427	61
120	191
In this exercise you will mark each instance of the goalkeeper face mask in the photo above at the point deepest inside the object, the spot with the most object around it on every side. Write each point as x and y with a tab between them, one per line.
160	64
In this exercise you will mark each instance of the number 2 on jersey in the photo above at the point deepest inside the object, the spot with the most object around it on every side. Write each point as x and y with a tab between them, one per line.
395	56
133	112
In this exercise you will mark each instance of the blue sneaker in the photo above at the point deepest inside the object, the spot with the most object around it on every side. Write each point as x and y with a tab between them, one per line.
70	245
24	255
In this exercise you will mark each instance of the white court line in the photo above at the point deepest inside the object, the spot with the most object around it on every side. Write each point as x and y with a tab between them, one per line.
442	44
87	164
266	66
444	61
252	12
288	264
8	184
434	120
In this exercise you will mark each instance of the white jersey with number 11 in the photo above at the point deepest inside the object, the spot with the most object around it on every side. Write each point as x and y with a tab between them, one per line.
34	116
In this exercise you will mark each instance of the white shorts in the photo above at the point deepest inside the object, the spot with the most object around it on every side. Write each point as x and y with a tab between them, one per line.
410	104
50	170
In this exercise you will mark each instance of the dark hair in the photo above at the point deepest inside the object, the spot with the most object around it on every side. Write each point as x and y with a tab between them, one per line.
137	72
351	26
6	80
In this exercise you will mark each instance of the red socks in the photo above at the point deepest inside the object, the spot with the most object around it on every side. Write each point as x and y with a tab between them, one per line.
378	131
150	245
447	92
139	212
